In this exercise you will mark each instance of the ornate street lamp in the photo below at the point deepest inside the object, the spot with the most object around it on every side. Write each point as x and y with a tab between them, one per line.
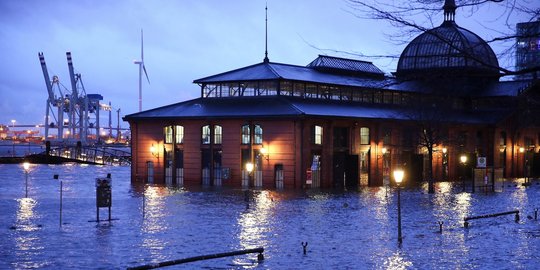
398	177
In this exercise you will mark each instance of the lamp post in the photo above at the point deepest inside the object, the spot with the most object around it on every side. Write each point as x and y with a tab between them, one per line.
398	177
26	167
463	160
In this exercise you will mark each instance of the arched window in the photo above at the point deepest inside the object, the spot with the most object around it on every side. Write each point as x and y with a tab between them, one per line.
258	139
179	134
205	134
168	132
218	134
246	134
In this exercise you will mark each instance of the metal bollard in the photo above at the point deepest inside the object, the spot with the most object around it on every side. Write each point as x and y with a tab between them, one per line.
517	217
440	226
304	246
536	214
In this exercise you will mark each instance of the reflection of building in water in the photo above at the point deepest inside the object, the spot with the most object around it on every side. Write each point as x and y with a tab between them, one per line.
357	122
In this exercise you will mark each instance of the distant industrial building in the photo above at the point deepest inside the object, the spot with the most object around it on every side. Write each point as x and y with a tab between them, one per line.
344	123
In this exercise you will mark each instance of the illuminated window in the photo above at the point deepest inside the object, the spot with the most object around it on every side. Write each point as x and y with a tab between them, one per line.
168	131
245	134
364	135
258	138
318	135
206	134
218	134
179	134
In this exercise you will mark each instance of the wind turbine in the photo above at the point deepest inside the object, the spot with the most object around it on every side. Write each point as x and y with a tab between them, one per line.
141	68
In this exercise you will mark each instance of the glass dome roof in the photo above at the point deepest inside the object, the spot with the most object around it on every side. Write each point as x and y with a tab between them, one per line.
450	49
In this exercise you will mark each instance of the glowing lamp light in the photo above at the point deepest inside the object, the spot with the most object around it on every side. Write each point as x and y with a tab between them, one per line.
444	150
154	151
463	159
398	176
26	166
249	167
383	150
521	149
264	153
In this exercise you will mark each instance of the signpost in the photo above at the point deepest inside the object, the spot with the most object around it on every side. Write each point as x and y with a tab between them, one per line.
103	194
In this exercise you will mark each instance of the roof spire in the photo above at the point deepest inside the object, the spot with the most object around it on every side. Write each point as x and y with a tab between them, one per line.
449	10
266	60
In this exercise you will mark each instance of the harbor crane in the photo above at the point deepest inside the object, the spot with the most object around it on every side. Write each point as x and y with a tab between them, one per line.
77	113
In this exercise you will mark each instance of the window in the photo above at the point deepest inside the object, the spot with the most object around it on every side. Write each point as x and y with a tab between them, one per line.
218	134
318	135
364	135
245	134
462	138
206	134
168	131
387	136
257	136
179	134
258	139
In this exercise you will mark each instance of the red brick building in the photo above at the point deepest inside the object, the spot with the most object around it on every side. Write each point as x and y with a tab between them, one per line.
339	121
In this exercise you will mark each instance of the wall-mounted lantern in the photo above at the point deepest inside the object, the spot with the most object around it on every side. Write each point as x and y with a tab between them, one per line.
154	151
264	153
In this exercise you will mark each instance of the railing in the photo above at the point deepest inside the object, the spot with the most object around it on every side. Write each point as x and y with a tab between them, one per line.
93	154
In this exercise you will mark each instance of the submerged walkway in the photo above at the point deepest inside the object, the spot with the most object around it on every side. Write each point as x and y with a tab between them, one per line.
92	154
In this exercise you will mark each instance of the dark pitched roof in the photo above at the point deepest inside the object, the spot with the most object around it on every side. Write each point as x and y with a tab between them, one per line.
273	71
282	106
345	66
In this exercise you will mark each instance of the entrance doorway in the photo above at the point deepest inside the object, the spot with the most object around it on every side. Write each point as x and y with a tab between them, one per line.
345	170
211	167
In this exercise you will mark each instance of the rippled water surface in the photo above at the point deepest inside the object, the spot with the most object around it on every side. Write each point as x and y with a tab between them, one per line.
343	229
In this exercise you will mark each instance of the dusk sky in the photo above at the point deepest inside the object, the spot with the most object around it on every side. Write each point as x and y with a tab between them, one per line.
184	40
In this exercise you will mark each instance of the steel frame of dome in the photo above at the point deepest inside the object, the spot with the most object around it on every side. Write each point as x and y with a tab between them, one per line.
448	48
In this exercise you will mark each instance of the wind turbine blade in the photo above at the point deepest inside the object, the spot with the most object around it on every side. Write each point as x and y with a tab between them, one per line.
144	68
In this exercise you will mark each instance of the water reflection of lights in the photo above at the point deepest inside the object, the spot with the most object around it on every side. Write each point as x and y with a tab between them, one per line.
463	204
154	221
25	214
520	197
379	202
254	222
28	244
396	261
444	187
154	208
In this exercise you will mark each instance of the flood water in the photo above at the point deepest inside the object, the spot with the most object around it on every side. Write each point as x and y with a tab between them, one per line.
343	229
